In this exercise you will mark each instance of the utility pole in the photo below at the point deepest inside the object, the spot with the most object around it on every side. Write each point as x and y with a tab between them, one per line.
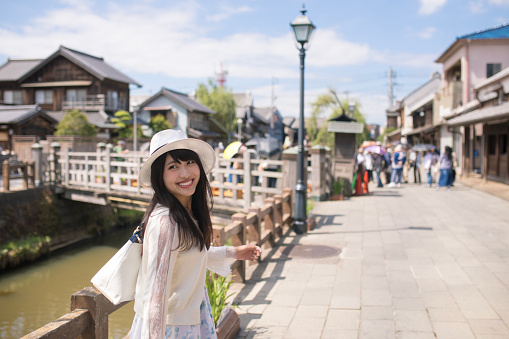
391	85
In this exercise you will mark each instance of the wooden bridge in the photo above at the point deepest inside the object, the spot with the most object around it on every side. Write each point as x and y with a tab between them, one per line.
104	178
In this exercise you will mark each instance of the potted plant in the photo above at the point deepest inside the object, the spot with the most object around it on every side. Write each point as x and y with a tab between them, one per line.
225	318
337	190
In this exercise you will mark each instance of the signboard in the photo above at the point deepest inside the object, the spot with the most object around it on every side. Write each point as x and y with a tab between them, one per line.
345	127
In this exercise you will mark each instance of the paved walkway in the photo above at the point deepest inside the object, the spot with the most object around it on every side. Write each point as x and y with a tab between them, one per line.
407	262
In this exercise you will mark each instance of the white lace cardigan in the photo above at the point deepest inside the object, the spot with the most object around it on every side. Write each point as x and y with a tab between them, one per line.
171	282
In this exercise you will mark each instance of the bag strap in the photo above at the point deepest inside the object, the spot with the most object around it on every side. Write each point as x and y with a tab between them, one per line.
137	234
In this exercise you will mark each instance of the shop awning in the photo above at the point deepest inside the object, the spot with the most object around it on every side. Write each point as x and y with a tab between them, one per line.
484	114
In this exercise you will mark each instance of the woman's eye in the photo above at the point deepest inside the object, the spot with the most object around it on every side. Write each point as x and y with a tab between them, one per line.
172	166
190	162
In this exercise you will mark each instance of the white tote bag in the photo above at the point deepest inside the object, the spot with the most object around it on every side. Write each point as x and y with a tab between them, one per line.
117	278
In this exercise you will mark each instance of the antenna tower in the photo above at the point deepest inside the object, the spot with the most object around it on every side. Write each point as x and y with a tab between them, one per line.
221	75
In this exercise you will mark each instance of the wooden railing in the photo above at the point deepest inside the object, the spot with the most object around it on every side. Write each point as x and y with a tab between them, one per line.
103	171
90	309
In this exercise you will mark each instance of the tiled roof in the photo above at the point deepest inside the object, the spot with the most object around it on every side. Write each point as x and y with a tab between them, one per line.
264	113
15	114
182	99
97	119
288	121
14	69
498	32
481	115
95	65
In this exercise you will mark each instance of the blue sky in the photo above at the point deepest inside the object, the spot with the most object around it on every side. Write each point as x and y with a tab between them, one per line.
178	44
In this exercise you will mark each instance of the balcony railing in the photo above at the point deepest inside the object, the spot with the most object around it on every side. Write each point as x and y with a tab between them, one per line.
94	103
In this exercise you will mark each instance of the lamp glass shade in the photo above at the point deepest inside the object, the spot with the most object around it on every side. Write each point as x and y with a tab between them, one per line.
303	28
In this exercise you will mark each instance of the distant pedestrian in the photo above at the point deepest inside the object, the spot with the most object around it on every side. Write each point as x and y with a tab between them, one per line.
388	166
378	167
398	161
445	161
368	161
430	159
415	164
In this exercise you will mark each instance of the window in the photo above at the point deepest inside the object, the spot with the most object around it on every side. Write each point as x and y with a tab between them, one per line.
44	96
76	95
113	99
13	97
492	69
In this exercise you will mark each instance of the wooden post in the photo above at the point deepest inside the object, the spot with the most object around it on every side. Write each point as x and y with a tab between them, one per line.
6	173
96	304
218	235
108	168
240	239
99	308
254	229
287	203
278	215
247	180
31	173
268	220
37	156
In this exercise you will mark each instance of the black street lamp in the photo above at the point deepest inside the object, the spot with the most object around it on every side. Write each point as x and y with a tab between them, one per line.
303	28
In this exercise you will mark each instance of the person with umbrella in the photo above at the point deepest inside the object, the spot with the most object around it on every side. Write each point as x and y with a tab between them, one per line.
234	150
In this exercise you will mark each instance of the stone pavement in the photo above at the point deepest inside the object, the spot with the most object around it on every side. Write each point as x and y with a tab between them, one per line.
408	262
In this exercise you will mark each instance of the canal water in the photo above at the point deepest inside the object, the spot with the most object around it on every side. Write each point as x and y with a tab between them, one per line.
33	296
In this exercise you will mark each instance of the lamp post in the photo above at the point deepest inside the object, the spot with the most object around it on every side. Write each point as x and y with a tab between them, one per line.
303	28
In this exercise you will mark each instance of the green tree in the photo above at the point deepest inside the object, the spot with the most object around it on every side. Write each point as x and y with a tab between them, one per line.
123	120
220	100
159	123
75	123
329	104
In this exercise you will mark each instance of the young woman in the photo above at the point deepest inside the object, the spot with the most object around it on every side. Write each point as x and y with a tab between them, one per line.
171	299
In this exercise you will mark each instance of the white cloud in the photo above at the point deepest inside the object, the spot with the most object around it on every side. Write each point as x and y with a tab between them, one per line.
430	6
176	42
427	33
226	12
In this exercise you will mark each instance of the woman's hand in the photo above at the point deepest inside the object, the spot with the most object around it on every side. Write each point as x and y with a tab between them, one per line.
248	252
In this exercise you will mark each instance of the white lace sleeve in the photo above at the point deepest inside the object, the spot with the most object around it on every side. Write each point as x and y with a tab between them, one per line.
160	243
220	259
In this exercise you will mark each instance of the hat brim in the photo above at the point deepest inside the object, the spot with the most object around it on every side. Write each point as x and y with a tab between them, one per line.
204	151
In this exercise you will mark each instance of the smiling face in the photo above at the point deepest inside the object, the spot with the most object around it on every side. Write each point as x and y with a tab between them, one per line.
181	178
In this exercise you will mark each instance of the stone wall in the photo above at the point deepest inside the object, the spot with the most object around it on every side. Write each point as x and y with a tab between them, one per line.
40	211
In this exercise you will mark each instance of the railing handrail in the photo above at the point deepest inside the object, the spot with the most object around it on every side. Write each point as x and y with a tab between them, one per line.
90	309
118	173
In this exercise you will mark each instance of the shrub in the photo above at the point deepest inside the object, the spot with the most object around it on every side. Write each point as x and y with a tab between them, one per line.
217	289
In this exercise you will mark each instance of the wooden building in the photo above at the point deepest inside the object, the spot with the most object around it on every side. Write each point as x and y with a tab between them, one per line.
23	120
64	81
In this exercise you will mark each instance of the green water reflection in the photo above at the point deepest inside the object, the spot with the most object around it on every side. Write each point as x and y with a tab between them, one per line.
34	296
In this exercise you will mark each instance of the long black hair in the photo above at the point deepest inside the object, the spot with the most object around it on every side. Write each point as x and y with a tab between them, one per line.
448	152
189	234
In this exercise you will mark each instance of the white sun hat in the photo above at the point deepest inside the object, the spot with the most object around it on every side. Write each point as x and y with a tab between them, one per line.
172	139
